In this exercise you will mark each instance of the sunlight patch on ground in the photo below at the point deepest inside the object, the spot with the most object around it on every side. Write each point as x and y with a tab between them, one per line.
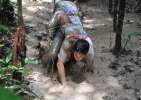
50	97
30	2
80	97
68	89
99	96
32	9
89	26
56	88
34	76
92	25
48	84
46	0
25	2
41	7
89	21
97	25
69	92
85	88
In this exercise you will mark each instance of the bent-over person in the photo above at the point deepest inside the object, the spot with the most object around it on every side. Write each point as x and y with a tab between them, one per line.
76	48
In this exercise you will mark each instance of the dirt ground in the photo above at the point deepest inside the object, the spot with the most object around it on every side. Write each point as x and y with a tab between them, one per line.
113	78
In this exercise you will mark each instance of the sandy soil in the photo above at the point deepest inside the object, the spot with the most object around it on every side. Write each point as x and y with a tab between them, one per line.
113	78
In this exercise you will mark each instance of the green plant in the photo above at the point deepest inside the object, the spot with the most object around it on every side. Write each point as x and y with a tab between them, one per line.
7	71
1	45
7	68
31	61
19	87
129	36
6	94
5	30
7	61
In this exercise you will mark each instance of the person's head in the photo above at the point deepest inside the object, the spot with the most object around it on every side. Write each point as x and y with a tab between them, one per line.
80	50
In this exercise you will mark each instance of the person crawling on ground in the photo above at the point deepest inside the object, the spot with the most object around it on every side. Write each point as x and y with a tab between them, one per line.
76	47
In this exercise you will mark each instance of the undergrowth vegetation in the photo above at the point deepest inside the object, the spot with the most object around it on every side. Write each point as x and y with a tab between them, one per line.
12	76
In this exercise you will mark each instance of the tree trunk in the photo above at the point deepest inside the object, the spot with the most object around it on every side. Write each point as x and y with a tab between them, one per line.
54	8
6	12
19	48
121	14
110	7
115	14
20	15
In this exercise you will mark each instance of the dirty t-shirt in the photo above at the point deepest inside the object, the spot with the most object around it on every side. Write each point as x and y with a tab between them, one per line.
65	53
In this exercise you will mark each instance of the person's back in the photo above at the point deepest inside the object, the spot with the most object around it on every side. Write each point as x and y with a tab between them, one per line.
72	11
69	9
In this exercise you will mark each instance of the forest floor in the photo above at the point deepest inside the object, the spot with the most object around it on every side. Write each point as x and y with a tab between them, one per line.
114	78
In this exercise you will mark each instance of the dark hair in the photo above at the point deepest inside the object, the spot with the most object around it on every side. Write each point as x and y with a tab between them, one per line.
81	46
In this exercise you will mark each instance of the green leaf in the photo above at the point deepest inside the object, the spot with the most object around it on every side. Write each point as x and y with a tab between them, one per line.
13	67
26	87
6	94
9	57
3	29
8	50
2	61
3	70
1	45
24	71
130	34
31	61
14	87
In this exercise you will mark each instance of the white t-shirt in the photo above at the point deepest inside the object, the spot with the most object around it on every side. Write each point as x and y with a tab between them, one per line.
65	53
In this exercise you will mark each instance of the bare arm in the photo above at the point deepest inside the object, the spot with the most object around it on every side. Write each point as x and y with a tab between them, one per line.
63	57
61	71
